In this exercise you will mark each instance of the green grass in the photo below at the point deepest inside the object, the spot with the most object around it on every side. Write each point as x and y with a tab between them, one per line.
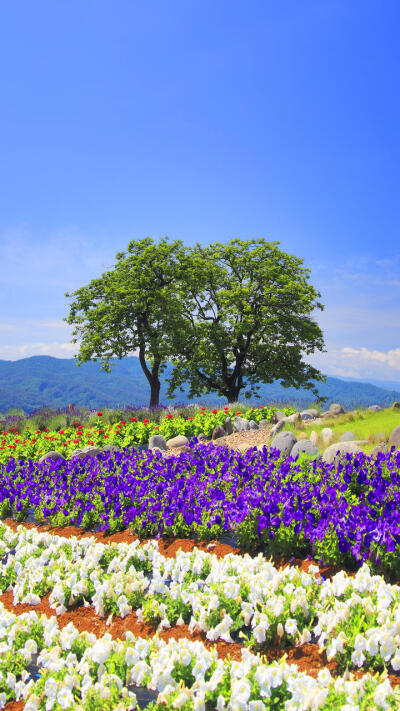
375	427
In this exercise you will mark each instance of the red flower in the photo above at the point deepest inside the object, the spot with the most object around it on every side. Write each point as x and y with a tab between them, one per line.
76	423
62	431
145	422
238	413
105	436
47	429
133	419
214	412
12	429
38	432
27	427
169	416
76	441
122	422
190	418
99	414
101	431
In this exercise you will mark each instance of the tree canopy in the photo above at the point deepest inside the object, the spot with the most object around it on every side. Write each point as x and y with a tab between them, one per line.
247	320
135	306
227	316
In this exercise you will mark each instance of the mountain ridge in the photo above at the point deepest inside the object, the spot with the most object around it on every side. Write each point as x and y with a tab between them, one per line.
45	381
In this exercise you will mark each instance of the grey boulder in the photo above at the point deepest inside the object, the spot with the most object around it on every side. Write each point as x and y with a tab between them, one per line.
278	415
379	448
157	441
178	441
92	450
51	457
276	428
111	448
284	441
228	426
346	437
201	437
304	445
330	454
396	405
374	408
327	434
218	432
336	409
263	424
394	438
240	424
293	418
306	416
253	425
78	454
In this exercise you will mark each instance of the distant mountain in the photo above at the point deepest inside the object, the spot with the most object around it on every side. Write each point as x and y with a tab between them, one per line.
385	384
41	381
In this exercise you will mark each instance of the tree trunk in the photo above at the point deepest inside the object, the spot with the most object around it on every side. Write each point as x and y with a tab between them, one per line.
154	392
233	393
152	377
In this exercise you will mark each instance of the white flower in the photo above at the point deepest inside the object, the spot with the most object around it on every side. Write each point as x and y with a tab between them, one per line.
290	626
324	677
50	688
358	658
256	706
101	651
381	692
65	698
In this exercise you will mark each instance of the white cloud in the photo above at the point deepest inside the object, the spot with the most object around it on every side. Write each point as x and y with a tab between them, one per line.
358	362
55	349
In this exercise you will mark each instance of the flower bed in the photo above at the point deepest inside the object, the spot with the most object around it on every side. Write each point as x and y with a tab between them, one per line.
34	443
59	668
343	514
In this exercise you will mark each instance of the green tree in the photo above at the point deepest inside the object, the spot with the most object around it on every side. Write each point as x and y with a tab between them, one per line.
135	306
247	321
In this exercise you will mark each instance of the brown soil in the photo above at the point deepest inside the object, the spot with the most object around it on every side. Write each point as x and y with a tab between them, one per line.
170	546
238	440
307	657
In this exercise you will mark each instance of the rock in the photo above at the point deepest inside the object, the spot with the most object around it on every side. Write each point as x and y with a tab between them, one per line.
228	426
278	415
276	428
396	405
379	448
326	414
304	446
263	424
374	408
394	438
253	425
240	424
51	457
346	437
111	448
157	441
284	441
317	421
218	432
311	412
330	454
381	437
313	437
336	409
202	438
92	450
293	418
78	454
327	434
178	441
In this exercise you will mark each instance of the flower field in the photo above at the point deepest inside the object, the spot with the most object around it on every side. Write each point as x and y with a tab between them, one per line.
148	610
33	443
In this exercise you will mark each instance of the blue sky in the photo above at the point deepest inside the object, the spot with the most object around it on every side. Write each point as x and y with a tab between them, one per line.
203	121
